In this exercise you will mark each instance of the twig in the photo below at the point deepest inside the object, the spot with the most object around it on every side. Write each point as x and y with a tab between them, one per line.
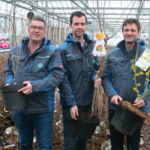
99	17
98	73
103	17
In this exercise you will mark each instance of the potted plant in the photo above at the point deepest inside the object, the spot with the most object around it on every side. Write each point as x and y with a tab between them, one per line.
12	99
87	122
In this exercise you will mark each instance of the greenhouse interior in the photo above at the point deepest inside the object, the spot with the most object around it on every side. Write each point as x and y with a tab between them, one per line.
103	17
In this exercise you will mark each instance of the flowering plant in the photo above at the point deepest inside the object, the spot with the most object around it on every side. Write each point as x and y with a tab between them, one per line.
4	43
141	73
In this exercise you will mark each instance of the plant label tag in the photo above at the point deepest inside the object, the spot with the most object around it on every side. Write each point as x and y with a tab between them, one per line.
144	60
99	49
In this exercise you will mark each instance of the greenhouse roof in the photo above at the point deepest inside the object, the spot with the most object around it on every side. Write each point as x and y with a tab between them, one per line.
111	13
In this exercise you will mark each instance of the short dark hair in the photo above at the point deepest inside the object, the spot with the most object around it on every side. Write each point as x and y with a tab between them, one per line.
130	21
78	14
38	19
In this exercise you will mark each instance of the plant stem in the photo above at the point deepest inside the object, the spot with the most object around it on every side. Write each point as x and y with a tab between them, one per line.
135	69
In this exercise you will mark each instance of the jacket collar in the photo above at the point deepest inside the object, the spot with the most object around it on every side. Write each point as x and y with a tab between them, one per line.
44	42
71	39
121	45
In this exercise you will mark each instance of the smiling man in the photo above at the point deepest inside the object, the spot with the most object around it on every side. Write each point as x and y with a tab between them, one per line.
41	70
118	81
77	88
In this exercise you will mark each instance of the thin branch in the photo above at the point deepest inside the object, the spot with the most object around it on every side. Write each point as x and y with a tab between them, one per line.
99	17
104	17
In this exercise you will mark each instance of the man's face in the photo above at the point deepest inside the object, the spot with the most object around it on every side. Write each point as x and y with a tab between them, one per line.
36	31
78	26
130	33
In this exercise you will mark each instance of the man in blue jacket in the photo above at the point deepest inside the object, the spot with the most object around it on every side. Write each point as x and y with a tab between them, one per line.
41	70
118	81
76	90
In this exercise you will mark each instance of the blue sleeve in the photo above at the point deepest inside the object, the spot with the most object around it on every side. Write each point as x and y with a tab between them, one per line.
107	82
65	87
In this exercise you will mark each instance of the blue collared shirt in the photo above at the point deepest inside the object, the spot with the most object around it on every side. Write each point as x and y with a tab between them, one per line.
29	53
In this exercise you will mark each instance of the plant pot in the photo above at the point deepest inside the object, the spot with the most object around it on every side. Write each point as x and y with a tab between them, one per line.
85	125
127	121
12	99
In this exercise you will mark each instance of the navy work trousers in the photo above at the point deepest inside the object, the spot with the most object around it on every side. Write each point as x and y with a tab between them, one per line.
117	138
43	125
71	141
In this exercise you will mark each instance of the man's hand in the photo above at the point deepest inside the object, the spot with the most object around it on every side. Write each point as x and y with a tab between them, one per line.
115	99
27	89
74	112
7	84
98	80
139	104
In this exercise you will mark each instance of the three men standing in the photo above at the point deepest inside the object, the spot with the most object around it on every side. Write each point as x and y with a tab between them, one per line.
77	86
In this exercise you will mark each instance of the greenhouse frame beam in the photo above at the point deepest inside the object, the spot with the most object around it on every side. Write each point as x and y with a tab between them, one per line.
46	12
119	20
40	8
9	2
89	0
3	15
107	14
43	9
140	8
83	8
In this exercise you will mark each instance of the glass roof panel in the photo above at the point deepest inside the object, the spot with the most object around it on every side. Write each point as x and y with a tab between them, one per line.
112	11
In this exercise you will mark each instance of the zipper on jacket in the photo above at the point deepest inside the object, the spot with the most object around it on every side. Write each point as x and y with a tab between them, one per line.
31	64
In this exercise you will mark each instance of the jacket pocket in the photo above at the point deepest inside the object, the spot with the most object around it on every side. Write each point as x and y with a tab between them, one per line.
74	63
40	66
24	76
14	60
91	62
116	64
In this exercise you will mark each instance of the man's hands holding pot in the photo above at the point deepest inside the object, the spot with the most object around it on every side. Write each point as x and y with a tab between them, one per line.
7	84
116	99
27	89
139	104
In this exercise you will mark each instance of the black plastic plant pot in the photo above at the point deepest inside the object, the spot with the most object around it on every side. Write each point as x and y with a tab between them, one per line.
12	99
84	128
125	121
